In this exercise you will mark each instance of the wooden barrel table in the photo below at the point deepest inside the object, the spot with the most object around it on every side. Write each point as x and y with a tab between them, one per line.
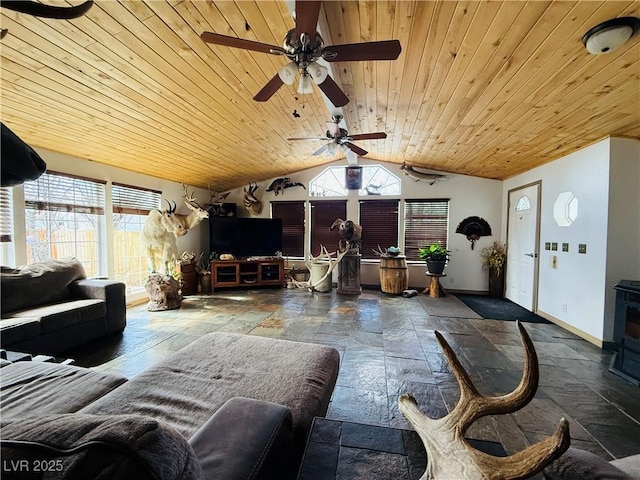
394	275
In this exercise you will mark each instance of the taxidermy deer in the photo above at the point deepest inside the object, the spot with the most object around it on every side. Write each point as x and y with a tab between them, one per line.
413	173
449	456
216	200
187	222
251	203
163	226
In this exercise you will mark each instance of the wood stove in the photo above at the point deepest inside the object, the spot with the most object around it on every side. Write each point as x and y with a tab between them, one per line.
626	331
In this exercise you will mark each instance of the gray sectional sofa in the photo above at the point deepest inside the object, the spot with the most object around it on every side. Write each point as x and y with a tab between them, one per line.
49	307
225	407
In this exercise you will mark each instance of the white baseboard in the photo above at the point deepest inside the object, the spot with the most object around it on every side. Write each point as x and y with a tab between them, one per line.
589	338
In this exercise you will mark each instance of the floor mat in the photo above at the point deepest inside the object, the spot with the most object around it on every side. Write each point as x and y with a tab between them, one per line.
499	308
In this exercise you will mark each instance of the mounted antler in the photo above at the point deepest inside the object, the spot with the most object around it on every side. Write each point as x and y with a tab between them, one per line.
449	455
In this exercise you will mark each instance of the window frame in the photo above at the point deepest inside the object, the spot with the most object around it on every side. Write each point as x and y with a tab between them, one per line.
380	225
323	214
432	230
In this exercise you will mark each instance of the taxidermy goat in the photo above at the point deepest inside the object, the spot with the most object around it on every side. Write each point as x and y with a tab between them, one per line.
279	184
413	173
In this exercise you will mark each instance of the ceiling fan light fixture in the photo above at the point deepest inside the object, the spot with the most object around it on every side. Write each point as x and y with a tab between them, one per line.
304	86
607	36
288	73
318	72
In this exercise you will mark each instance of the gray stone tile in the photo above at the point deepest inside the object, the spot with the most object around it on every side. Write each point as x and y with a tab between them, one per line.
359	406
371	437
355	463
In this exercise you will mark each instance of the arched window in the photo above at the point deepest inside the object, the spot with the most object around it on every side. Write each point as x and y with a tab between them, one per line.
376	180
523	203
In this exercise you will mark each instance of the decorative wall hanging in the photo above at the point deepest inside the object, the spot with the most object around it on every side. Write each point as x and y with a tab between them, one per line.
416	175
474	228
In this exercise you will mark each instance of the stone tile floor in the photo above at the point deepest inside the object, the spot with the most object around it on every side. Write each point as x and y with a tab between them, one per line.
388	347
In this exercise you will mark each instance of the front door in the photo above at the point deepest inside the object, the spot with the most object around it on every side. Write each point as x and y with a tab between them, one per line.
522	246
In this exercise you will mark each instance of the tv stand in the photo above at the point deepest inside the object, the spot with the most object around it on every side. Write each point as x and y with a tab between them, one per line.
246	273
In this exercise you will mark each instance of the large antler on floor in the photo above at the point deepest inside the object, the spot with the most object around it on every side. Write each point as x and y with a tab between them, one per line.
449	455
332	266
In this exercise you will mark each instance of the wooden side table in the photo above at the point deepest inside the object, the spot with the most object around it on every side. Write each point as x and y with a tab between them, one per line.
434	289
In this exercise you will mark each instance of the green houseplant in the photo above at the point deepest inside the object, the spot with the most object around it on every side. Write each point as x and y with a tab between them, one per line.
436	257
494	258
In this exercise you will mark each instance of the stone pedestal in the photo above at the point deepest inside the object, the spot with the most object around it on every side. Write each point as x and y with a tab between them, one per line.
349	275
163	291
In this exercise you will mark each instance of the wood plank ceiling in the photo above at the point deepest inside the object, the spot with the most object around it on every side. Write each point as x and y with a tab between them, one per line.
489	89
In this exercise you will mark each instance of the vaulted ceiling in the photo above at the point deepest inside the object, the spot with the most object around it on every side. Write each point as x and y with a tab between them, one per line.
490	89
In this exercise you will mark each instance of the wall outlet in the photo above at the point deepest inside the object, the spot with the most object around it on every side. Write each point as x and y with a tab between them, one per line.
564	308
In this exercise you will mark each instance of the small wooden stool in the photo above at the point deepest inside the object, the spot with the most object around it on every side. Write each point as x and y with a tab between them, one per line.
434	289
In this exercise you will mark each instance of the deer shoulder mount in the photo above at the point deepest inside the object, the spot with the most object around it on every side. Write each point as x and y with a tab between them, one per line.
279	184
197	214
350	233
251	203
449	456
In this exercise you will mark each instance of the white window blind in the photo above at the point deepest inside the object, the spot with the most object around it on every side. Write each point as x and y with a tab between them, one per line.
134	200
63	193
6	216
425	222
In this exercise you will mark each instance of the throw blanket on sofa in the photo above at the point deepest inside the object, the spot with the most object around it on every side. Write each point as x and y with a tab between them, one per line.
39	283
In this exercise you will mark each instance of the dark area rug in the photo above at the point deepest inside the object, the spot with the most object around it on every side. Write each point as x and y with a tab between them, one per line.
498	308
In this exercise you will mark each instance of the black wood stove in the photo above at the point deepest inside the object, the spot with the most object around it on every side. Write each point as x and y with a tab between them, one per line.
626	331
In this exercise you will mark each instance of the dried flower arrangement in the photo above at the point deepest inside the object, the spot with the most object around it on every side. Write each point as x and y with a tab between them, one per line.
494	256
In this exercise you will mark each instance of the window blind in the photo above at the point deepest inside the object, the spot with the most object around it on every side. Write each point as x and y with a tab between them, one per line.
323	214
58	192
292	215
134	200
425	222
6	223
379	221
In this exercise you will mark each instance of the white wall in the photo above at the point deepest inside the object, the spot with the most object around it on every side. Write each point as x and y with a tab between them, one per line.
623	232
583	282
196	240
469	196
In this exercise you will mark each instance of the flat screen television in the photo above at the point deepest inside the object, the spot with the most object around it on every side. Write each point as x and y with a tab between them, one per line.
245	237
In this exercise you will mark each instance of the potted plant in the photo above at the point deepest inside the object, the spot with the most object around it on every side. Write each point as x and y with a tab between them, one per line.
436	257
494	258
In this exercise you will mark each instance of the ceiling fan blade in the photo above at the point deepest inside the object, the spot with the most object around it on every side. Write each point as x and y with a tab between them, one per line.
269	89
48	11
369	136
355	149
308	138
353	52
333	128
307	14
333	92
321	150
227	41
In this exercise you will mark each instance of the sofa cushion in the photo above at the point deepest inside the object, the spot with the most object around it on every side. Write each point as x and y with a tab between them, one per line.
64	315
13	330
39	283
34	388
105	447
264	438
189	386
580	464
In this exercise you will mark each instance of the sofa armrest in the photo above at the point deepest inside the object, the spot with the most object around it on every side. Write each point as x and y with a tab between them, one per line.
112	292
246	439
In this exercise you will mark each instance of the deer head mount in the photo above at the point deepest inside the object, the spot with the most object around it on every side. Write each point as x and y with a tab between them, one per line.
251	203
449	455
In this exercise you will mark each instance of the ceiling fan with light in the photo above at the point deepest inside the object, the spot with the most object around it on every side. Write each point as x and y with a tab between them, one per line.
340	138
303	46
